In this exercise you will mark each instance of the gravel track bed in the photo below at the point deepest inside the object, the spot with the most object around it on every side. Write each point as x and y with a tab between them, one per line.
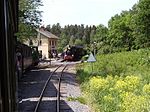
32	82
73	90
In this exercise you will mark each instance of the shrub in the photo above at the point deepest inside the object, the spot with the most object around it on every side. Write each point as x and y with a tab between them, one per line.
118	94
120	82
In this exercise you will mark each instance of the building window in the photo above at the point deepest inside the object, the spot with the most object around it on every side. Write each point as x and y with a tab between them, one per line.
30	42
52	43
40	53
40	42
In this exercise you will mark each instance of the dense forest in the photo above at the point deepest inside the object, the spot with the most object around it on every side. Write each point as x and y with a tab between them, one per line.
73	34
126	31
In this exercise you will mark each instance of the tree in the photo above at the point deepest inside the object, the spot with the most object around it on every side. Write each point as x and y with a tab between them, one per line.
100	34
78	42
63	41
72	40
48	28
87	32
142	24
29	18
120	32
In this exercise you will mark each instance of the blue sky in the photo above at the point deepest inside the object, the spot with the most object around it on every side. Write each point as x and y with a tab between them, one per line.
88	12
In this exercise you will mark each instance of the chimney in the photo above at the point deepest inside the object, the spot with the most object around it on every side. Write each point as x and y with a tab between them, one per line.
42	28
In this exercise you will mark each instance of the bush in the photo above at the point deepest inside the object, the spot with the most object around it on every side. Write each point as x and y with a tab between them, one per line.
120	82
112	94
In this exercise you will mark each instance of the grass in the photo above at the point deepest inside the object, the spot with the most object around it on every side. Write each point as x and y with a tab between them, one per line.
120	82
79	99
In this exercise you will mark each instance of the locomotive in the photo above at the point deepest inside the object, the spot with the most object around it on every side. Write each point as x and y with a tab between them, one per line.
74	53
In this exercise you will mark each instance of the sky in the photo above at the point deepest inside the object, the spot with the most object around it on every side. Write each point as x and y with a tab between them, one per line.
87	12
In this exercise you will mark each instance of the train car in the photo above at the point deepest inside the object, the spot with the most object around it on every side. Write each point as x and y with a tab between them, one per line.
74	53
23	58
26	56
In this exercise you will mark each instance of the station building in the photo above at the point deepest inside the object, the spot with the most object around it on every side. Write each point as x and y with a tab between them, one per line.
46	43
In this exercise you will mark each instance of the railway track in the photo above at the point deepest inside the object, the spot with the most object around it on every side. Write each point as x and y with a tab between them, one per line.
59	76
39	90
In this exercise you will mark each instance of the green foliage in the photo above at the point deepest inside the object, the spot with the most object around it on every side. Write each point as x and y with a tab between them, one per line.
80	99
142	24
130	29
56	29
25	32
29	19
84	58
120	32
84	76
126	31
64	40
117	94
72	40
78	42
72	34
120	82
101	34
60	49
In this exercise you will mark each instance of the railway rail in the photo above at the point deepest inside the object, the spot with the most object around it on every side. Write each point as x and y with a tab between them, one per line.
58	89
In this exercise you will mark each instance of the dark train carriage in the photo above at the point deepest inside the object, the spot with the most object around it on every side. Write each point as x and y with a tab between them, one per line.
23	58
8	28
26	56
